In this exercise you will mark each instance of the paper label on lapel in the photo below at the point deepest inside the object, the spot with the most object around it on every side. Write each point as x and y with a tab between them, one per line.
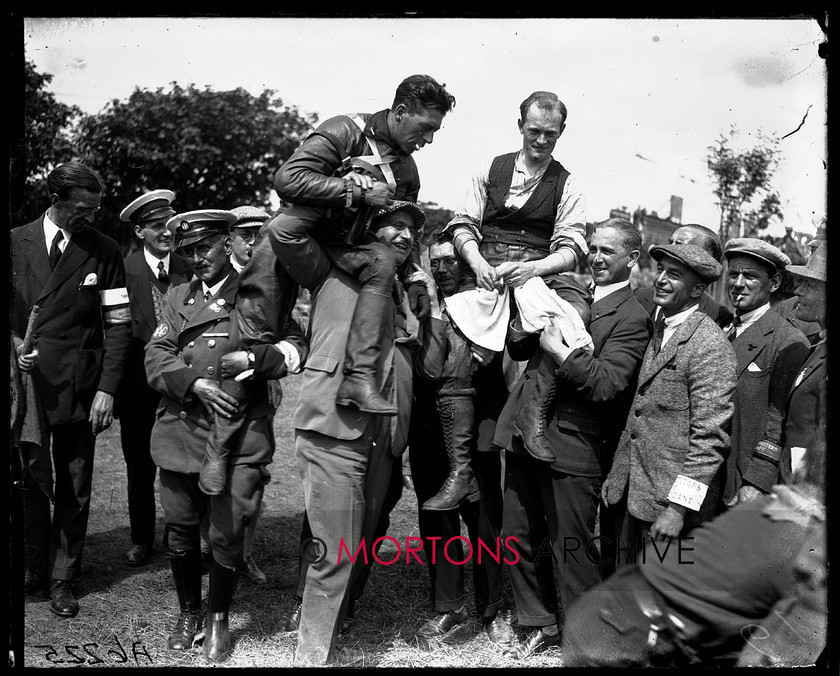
90	280
115	307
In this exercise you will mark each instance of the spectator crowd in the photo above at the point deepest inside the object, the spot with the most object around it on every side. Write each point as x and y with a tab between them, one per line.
643	469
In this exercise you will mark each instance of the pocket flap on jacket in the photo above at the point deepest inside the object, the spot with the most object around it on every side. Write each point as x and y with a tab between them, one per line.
321	362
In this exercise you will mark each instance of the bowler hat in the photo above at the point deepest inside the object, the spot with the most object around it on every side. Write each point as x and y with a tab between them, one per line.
149	207
692	256
757	248
816	267
249	217
396	205
194	226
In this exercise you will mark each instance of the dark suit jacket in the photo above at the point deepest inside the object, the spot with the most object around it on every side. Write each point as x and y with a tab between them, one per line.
593	390
82	348
721	315
135	390
805	412
769	354
187	345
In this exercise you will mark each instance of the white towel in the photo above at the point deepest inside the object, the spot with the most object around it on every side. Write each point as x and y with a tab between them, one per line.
482	316
540	307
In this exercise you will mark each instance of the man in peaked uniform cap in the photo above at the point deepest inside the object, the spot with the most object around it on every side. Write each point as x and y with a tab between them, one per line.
184	363
770	352
666	471
149	274
244	233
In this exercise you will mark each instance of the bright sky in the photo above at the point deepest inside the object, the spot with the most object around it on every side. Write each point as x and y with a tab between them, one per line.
645	97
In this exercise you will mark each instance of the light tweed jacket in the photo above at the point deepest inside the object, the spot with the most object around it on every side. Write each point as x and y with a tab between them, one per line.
679	421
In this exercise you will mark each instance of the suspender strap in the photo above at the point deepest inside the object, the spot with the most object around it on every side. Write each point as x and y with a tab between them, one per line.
375	158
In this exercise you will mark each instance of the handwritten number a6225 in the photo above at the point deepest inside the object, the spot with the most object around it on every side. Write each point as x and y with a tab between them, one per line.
51	654
96	659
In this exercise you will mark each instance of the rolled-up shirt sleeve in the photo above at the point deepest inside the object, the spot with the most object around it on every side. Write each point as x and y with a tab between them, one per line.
570	221
466	225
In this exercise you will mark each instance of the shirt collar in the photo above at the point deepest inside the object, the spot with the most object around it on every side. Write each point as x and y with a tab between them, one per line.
519	165
213	289
153	261
754	315
235	264
675	320
600	292
50	229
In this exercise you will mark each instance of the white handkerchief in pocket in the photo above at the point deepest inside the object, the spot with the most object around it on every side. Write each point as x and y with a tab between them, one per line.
753	367
90	280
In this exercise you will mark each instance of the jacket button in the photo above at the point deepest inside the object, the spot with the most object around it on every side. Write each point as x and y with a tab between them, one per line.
211	370
191	343
66	307
633	435
182	415
211	343
638	412
63	336
136	321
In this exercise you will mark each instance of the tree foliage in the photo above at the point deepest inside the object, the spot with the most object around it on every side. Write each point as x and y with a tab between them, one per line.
215	150
46	143
747	202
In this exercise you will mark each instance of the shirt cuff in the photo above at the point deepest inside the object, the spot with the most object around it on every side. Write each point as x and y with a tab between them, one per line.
291	354
688	492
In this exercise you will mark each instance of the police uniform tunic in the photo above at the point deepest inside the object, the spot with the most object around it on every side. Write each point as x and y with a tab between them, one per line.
187	345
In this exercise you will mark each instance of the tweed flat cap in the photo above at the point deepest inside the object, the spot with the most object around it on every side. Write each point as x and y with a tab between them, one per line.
757	248
193	226
249	217
415	211
692	256
149	207
816	267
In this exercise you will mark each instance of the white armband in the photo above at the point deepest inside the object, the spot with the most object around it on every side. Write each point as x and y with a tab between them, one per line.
115	306
292	356
688	492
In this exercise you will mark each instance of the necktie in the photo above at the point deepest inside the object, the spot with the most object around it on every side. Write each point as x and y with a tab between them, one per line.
206	296
55	249
733	332
658	333
163	277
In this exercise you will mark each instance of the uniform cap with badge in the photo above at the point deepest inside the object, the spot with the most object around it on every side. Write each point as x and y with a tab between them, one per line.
692	256
150	206
757	248
194	226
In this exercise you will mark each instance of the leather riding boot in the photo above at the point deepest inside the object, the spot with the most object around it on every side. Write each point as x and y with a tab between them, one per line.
186	571
213	474
456	420
533	418
217	636
364	343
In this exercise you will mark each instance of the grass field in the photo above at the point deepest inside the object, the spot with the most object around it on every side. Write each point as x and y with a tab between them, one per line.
127	613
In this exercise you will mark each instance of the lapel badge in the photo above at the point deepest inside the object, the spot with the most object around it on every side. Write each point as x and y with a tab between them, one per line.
189	301
215	307
221	301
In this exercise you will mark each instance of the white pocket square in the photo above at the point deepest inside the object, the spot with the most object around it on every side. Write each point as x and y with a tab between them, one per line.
90	280
753	367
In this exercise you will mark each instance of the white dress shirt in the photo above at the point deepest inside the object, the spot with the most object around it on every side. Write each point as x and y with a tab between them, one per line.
50	229
600	292
673	322
153	262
